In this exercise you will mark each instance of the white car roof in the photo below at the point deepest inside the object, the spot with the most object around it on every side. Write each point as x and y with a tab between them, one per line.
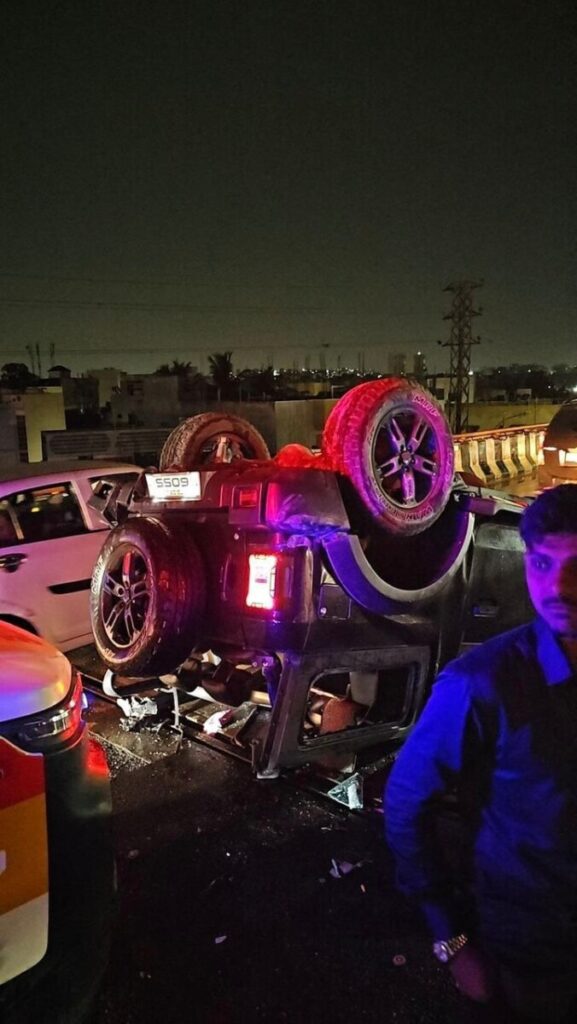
34	676
46	472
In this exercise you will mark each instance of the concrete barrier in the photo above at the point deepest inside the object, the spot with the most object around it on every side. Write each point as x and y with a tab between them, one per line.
507	457
522	454
474	459
491	458
540	456
492	455
534	447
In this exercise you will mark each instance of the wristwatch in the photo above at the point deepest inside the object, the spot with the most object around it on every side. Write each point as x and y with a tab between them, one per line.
446	949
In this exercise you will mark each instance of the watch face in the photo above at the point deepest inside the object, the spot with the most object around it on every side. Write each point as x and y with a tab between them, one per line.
442	951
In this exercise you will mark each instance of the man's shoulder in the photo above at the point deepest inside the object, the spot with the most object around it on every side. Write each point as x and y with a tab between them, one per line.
482	665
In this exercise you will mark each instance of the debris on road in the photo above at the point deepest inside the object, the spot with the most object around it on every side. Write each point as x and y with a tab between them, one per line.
340	868
134	709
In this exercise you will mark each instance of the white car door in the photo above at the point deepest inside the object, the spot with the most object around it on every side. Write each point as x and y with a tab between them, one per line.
46	565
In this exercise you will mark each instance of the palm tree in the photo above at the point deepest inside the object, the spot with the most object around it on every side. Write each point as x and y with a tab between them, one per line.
175	369
221	371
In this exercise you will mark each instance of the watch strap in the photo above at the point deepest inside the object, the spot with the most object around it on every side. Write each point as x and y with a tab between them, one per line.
446	949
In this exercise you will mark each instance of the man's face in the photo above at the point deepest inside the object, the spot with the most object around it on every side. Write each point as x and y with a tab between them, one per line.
551	569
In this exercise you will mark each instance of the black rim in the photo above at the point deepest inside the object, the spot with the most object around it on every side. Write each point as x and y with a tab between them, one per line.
125	597
406	457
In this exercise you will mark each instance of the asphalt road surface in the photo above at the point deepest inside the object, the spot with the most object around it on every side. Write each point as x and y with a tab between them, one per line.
248	901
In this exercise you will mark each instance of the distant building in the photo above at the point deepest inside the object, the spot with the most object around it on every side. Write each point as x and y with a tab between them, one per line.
109	382
8	435
419	365
439	385
35	410
147	400
523	394
397	364
58	372
80	394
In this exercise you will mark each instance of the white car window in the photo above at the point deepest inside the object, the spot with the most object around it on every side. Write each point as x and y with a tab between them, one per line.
8	531
43	513
115	478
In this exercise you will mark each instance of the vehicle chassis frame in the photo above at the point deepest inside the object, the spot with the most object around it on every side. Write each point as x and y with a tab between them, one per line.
282	745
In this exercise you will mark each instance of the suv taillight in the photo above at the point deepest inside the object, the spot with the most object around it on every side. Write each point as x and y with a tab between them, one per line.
269	580
56	725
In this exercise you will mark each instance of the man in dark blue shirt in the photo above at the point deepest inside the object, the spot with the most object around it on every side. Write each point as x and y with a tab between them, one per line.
500	731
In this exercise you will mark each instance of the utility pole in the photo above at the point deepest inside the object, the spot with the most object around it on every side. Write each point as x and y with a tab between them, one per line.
323	357
30	352
460	343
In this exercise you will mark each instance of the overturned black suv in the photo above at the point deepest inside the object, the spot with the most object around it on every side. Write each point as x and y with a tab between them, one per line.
329	587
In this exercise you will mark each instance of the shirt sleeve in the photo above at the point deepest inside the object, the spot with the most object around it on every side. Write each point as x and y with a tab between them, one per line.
432	762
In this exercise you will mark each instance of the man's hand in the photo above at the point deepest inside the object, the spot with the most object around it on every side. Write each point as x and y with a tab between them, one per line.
473	974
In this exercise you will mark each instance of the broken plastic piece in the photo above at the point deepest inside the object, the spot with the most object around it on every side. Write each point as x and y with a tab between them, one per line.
340	868
231	721
216	722
135	709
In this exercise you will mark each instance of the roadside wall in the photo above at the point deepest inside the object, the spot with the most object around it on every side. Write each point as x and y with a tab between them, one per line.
279	423
496	415
301	422
8	436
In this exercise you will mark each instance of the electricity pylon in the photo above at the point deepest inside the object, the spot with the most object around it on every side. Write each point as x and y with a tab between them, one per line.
460	343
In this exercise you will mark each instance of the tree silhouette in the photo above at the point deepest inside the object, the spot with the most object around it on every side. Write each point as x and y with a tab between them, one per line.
257	383
175	369
17	375
221	371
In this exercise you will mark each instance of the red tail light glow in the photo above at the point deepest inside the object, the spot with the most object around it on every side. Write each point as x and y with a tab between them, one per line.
246	497
262	573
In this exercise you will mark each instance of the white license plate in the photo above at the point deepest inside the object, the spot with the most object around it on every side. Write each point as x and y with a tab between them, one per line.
174	485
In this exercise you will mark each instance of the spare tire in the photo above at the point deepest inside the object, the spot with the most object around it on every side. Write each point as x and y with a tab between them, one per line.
212	437
147	598
392	440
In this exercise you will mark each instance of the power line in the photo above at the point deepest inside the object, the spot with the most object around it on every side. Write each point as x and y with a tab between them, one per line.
169	283
182	306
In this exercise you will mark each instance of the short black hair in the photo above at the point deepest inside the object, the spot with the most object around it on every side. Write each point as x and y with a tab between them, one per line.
553	511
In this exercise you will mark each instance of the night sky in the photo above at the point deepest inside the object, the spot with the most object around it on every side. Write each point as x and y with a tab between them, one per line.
286	180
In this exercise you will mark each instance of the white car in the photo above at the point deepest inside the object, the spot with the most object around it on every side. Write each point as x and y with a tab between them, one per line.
50	539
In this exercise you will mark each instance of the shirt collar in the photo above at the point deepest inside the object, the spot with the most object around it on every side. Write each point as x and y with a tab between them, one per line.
552	658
